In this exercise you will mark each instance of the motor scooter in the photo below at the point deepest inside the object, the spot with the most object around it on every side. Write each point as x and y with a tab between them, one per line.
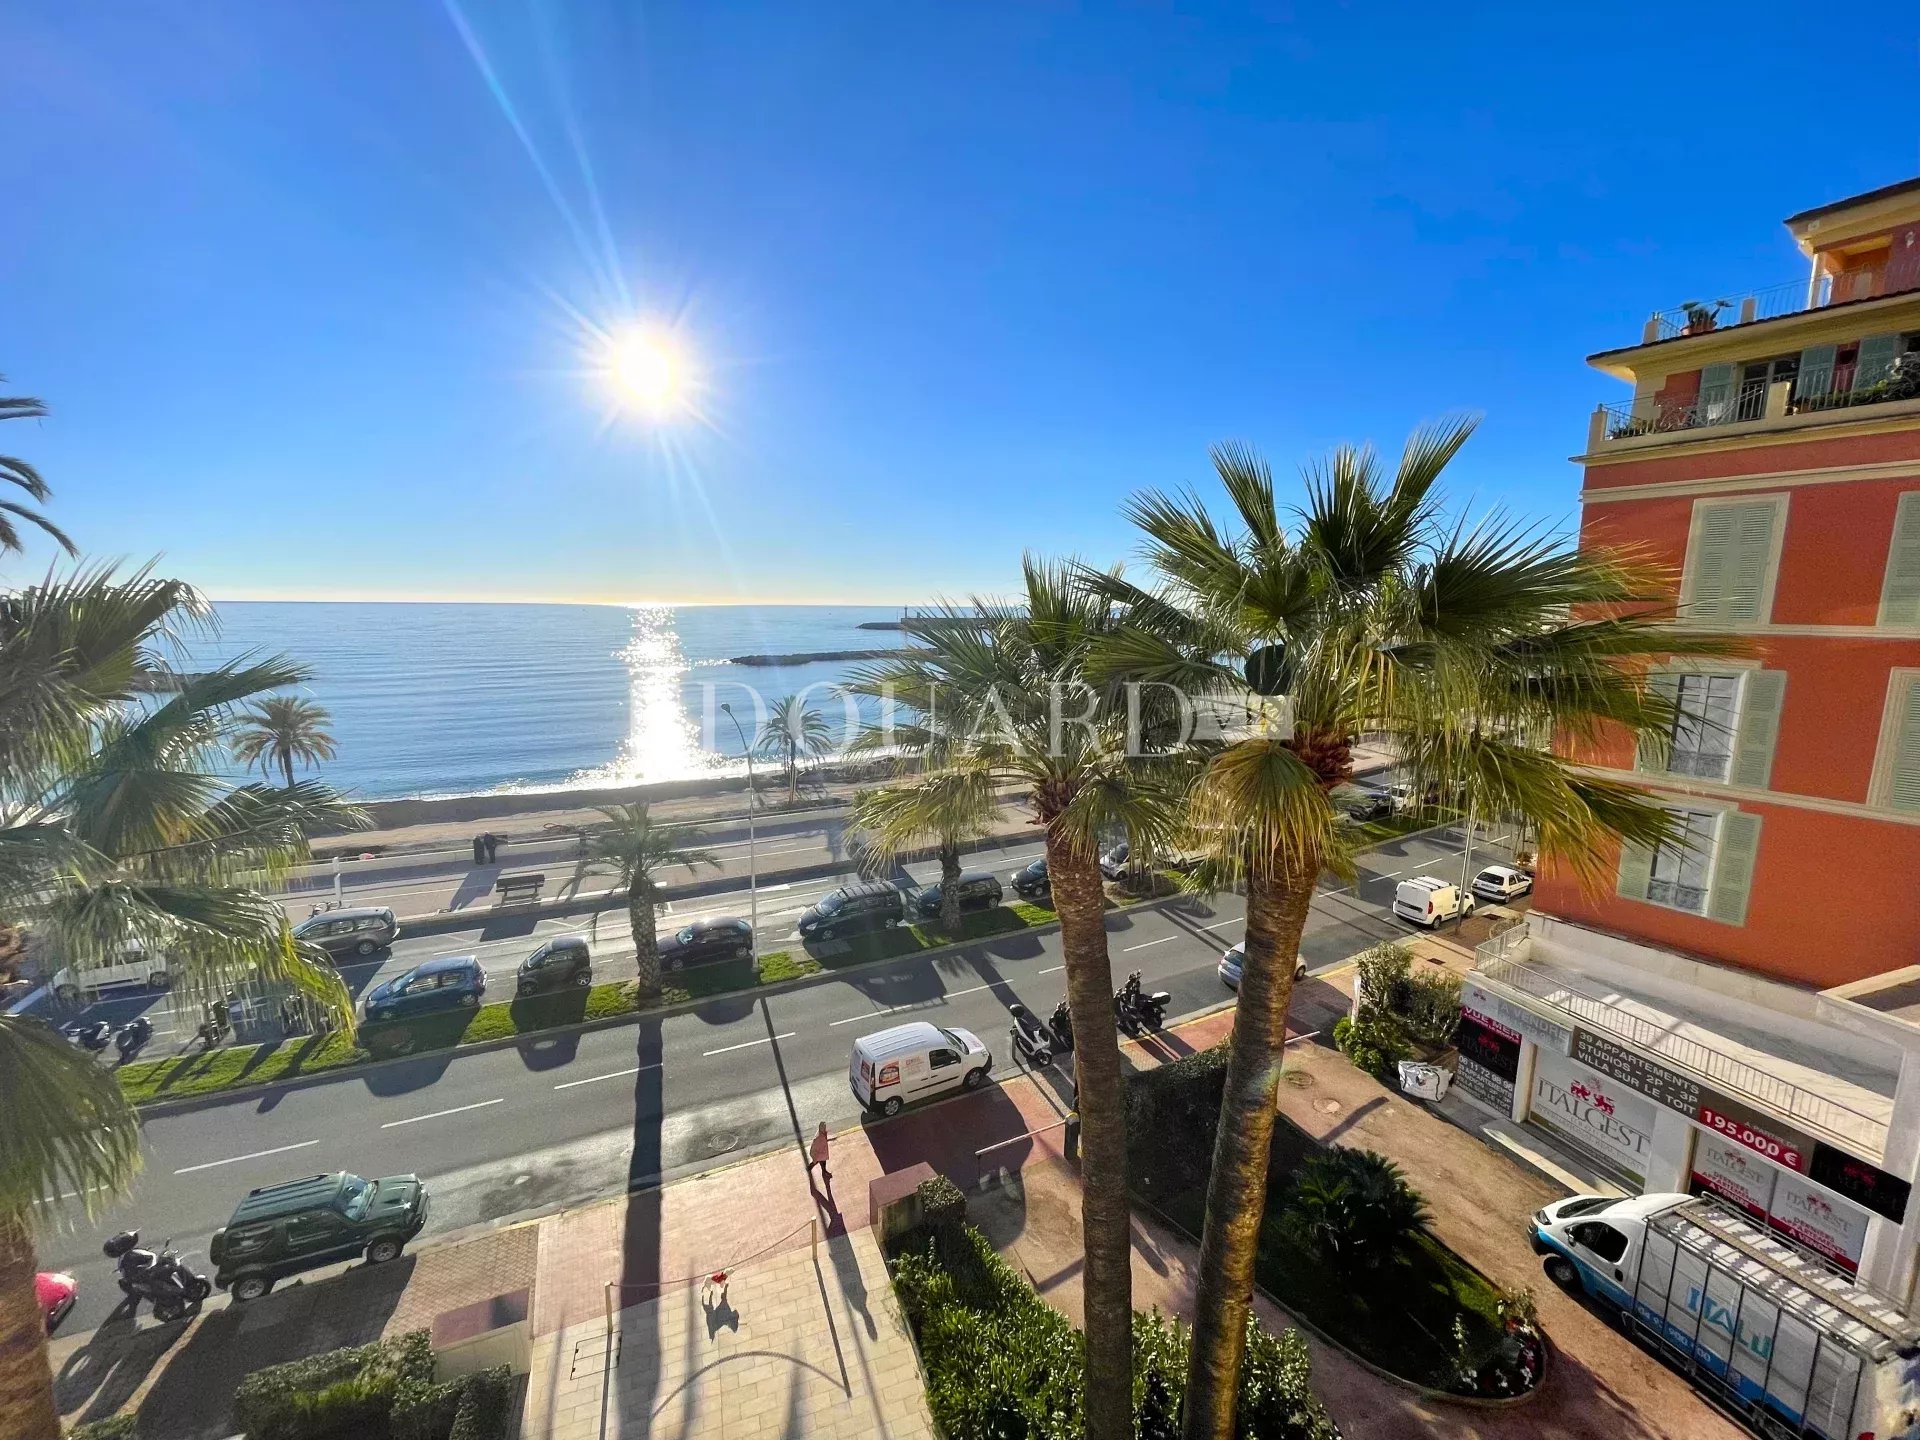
1031	1039
1061	1027
1139	1009
93	1036
158	1278
132	1036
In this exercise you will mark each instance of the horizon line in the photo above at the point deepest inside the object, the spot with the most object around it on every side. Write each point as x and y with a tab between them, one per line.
272	599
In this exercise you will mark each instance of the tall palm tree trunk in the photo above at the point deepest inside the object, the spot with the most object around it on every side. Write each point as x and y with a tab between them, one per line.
26	1381
1277	905
646	945
286	765
1107	1281
950	888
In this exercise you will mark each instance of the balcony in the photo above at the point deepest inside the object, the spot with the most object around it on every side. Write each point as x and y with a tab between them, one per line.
1757	404
1791	298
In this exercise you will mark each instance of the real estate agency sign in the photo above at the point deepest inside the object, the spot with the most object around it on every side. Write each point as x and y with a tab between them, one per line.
1781	1200
1600	1115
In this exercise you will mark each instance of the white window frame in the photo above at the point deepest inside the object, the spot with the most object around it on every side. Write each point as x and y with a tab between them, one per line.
1900	680
1778	500
1733	726
1673	806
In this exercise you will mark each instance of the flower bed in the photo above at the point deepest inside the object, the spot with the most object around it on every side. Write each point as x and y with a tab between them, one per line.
1342	1243
1002	1364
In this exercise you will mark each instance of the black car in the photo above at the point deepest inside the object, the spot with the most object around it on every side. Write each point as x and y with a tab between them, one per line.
851	908
564	962
977	891
281	1230
725	938
1360	805
1033	879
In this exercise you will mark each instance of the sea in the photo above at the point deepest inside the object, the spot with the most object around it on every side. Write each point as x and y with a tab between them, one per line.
461	699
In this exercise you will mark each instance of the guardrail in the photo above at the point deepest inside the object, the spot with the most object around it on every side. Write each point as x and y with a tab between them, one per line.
1769	303
1822	1113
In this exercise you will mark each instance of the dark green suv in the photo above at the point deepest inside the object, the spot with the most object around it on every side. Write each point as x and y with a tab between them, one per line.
281	1230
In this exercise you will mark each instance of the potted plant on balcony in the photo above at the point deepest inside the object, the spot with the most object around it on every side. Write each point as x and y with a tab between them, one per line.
1701	317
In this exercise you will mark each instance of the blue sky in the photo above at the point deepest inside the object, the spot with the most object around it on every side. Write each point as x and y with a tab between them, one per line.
308	293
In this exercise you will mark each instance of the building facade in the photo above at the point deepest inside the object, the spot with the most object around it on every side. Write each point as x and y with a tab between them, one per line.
1728	1014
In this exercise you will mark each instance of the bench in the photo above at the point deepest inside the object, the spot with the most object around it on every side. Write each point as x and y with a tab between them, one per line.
518	889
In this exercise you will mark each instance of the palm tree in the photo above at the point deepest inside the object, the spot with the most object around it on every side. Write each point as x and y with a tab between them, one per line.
117	829
951	805
20	473
283	729
996	693
69	1130
638	849
1464	646
793	729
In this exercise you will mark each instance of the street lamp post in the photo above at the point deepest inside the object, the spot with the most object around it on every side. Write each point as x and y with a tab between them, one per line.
753	868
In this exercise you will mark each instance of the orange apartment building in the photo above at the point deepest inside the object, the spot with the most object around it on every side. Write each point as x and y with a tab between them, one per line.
1740	1015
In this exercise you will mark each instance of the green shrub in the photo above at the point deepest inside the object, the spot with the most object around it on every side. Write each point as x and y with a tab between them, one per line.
1374	1042
1276	1390
1172	1113
1354	1209
1430	1007
942	1203
350	1392
113	1427
1380	975
486	1406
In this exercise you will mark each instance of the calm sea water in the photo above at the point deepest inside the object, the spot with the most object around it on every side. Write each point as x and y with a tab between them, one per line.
462	699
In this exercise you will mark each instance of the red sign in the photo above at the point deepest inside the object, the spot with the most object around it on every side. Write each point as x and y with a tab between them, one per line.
1744	1127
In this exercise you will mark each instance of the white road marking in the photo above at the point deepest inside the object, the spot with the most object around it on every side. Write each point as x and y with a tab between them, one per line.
610	1075
1146	943
437	1114
1051	968
236	1159
768	1040
920	1005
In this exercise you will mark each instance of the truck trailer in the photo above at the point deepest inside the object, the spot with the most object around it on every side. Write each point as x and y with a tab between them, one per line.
1774	1334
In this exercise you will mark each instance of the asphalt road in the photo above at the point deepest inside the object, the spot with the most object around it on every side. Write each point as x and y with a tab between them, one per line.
561	1120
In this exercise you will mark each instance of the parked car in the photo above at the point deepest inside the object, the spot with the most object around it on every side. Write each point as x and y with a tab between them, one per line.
453	982
915	1061
1031	880
563	963
1359	804
978	890
725	937
1113	864
282	1230
1427	901
1235	960
852	908
135	965
1502	882
56	1294
1402	798
360	931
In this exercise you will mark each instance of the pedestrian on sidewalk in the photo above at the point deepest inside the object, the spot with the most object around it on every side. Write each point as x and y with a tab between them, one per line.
479	849
818	1152
493	848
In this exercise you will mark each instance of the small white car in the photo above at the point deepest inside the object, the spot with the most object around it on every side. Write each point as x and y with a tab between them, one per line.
1501	883
1235	960
134	966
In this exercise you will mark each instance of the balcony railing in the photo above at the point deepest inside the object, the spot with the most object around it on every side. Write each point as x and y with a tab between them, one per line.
1751	400
1774	301
1821	1113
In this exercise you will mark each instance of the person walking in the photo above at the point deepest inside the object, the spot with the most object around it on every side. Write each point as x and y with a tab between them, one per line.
818	1155
479	849
493	848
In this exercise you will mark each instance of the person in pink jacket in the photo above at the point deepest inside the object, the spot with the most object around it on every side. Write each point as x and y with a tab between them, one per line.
818	1154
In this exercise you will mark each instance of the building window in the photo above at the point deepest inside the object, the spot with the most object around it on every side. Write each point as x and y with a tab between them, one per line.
1896	783
1732	555
1702	740
1682	869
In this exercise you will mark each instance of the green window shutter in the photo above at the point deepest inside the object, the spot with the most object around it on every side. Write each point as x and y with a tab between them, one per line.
1877	354
1903	784
1733	550
1760	698
1900	589
1816	372
1715	406
1737	847
1651	756
1636	870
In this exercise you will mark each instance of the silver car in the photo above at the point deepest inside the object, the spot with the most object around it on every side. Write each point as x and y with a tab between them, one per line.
1235	960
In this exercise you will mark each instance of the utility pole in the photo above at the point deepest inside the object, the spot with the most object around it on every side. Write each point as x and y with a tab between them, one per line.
753	794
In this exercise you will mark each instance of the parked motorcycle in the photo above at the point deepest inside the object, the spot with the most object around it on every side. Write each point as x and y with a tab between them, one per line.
130	1037
1030	1038
1061	1027
218	1024
1138	1009
173	1290
93	1036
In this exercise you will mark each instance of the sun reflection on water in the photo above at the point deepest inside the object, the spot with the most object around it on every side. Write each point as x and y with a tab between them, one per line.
663	740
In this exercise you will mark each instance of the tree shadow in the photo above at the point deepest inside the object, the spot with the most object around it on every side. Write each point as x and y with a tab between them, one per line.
505	926
640	1271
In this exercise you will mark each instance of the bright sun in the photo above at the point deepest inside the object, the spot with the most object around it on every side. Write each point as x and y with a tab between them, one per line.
648	371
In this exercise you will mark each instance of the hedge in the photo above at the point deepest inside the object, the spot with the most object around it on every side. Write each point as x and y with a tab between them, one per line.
113	1427
1002	1364
365	1392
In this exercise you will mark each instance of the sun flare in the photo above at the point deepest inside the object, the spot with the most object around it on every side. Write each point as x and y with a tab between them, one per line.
648	371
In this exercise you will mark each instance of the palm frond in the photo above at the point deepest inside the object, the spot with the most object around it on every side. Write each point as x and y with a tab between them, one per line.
70	1131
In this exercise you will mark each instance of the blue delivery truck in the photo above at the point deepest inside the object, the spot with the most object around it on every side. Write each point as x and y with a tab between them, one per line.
1777	1336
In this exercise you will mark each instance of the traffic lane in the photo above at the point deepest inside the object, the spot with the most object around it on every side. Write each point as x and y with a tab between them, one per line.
656	1099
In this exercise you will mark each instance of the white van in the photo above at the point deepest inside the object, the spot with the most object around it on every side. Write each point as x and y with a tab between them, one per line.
134	966
1427	901
915	1061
